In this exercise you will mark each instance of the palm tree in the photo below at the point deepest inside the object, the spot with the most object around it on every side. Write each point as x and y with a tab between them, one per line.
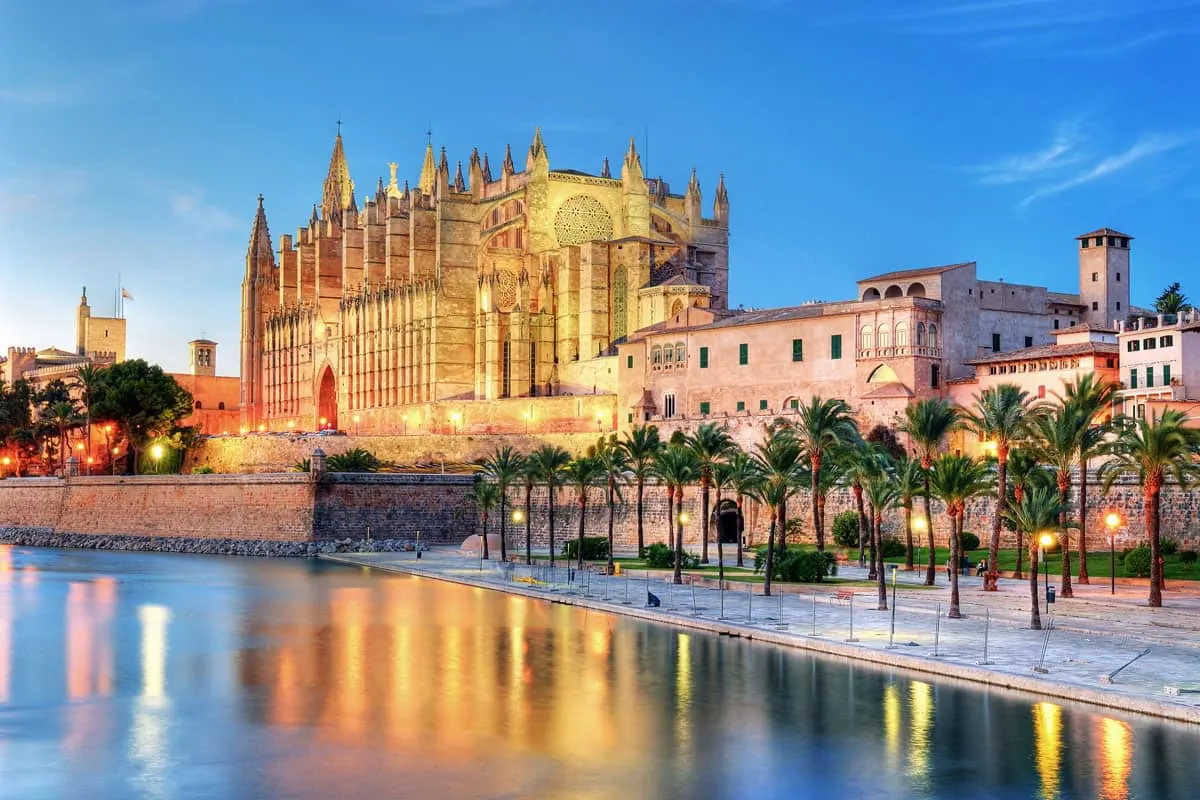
583	473
530	471
87	380
675	467
615	467
909	480
1000	416
1035	511
504	466
860	462
927	423
1153	450
1055	441
1172	300
821	426
779	457
745	477
955	480
882	493
1093	399
486	494
549	461
641	446
710	445
1024	475
63	416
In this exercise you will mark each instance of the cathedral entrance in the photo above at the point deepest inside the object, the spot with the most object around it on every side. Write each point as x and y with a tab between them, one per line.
327	401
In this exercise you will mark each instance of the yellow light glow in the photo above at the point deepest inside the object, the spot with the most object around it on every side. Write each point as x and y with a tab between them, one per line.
324	420
683	518
1113	519
1046	539
115	451
456	416
262	428
1117	743
291	423
79	447
356	419
108	428
1047	741
244	430
891	722
518	516
90	460
920	704
156	451
525	414
918	523
7	461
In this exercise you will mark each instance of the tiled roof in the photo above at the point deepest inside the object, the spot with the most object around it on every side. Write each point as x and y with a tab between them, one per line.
1084	326
913	273
1104	232
887	390
1050	351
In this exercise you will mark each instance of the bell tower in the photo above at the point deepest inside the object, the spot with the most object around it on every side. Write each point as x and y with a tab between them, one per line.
1104	275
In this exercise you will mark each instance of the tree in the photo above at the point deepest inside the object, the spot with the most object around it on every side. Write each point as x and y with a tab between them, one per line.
548	462
779	456
955	480
860	461
142	401
1172	300
486	494
745	477
886	438
504	466
615	467
676	467
1024	475
1033	512
1055	441
641	446
1093	400
1000	416
583	473
882	493
1153	450
821	426
16	421
910	479
63	416
87	381
927	423
710	445
530	471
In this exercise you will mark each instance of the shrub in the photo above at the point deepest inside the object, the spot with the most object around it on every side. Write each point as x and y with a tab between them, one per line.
892	547
1187	558
797	565
354	460
845	529
659	556
595	548
969	541
1137	563
203	469
1169	547
303	465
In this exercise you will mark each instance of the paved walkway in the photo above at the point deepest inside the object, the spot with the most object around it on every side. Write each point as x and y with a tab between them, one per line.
1093	634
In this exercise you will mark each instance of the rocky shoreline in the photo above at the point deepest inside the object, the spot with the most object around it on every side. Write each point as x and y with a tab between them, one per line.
48	537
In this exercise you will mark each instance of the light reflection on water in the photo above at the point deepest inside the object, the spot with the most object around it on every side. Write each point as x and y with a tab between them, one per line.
174	676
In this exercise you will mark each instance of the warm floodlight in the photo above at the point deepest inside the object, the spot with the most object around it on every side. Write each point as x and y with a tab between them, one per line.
1113	519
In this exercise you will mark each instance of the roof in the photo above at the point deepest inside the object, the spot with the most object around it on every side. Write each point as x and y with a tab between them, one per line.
1104	232
887	390
201	341
1063	299
1084	326
1050	351
913	273
54	354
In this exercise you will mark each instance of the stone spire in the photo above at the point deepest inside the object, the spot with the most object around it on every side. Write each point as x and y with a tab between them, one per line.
721	203
605	172
459	184
428	172
632	167
507	167
476	174
339	189
692	201
259	250
443	174
537	157
486	169
393	189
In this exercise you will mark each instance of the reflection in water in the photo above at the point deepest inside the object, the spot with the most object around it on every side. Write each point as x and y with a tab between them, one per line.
1047	739
346	682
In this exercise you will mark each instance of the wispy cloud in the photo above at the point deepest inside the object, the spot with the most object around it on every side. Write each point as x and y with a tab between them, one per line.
191	207
1062	151
1145	148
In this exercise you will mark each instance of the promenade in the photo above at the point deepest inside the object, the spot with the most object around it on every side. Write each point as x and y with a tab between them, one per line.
1094	634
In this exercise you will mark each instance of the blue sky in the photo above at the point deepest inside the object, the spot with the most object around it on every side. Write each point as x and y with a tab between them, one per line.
856	136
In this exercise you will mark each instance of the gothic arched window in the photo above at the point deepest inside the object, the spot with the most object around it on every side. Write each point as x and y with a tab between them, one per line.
885	337
867	337
656	356
920	334
680	352
933	333
901	334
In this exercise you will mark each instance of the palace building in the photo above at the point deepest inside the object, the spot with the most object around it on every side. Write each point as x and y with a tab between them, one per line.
469	289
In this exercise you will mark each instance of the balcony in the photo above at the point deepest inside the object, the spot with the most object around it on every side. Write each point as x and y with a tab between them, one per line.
902	351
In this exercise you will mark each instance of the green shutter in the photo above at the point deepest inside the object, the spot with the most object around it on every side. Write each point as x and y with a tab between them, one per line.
795	404
762	405
835	346
1149	377
704	408
797	349
1166	374
629	363
741	406
703	358
1133	378
743	354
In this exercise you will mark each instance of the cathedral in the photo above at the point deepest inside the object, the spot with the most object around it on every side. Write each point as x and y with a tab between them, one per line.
467	286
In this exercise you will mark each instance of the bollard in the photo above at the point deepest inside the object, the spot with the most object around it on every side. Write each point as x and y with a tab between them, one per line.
695	611
891	645
852	639
937	629
987	626
721	591
750	605
605	582
626	600
781	625
814	616
587	583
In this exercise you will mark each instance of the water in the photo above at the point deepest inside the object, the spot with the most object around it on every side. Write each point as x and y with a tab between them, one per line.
143	675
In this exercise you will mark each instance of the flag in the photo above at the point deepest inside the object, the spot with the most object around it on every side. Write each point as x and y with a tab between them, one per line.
125	295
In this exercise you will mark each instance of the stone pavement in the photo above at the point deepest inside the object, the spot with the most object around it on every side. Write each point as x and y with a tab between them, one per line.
1092	636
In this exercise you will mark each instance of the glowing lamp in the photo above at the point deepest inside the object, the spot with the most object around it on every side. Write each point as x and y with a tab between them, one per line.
919	523
1113	519
79	447
262	428
518	516
1046	539
683	518
156	451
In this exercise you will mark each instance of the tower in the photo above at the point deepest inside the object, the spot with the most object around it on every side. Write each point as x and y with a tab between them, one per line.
1104	275
202	357
81	324
259	280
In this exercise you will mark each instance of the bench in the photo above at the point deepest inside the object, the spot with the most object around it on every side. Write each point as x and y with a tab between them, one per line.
843	595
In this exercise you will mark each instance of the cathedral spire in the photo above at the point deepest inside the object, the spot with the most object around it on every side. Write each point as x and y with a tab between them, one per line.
486	169
721	203
605	172
339	188
537	159
393	188
459	184
694	183
507	167
428	171
631	169
259	252
692	201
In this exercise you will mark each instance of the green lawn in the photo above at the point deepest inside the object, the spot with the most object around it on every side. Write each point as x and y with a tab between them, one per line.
1098	563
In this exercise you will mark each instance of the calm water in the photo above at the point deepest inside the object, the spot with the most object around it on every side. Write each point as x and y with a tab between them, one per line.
139	675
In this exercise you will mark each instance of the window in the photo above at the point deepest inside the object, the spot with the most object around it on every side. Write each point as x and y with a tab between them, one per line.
1112	362
1149	377
867	336
656	356
901	334
995	343
1095	277
1029	341
741	405
198	405
1166	374
703	358
1166	341
1118	277
794	404
1084	243
630	418
1125	243
743	354
668	355
680	352
884	336
1118	305
533	370
797	349
835	346
1098	241
668	405
933	335
1133	378
629	363
1056	324
221	406
1133	346
920	334
1149	344
704	409
762	405
1095	306
1112	241
934	375
1140	411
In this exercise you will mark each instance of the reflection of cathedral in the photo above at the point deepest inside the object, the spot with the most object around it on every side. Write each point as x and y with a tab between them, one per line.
466	288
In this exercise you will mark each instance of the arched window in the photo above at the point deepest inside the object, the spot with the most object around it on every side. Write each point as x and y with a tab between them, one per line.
656	356
920	334
221	406
916	290
871	294
885	337
933	335
901	334
867	337
199	404
893	291
680	353
883	374
668	355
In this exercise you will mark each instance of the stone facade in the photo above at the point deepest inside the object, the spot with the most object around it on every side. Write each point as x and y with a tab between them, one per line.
463	289
1160	364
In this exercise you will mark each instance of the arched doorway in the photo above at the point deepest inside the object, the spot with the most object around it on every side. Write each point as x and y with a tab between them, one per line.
327	401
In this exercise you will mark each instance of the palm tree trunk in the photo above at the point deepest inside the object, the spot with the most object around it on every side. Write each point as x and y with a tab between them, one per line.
871	535
1064	489
1018	493
528	524
783	525
770	555
931	569
1035	614
503	548
818	528
880	571
704	481
955	567
1083	572
641	487
678	576
671	519
1152	496
989	581
582	517
908	537
862	521
612	510
483	542
550	500
740	504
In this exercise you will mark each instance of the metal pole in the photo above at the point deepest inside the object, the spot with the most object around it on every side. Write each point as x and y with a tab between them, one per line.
892	633
1112	562
937	629
721	591
626	600
750	604
814	616
1046	575
695	613
852	639
987	626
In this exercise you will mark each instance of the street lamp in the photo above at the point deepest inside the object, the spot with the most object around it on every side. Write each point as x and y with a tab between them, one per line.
1045	540
525	415
356	424
156	452
115	451
404	424
90	461
6	461
456	417
919	526
1113	521
599	421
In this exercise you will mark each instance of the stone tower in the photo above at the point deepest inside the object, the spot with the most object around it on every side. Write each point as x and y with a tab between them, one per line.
258	286
203	357
81	324
1104	275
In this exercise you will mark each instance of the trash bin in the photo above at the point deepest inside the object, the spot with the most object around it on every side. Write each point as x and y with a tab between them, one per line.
1049	595
616	568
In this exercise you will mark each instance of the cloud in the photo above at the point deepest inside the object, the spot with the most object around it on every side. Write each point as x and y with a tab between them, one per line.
190	207
1144	148
1061	152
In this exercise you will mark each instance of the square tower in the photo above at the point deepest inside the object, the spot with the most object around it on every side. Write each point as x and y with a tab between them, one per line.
1104	275
203	357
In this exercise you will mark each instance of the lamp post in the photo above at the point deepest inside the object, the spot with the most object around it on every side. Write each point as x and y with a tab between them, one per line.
525	415
456	418
356	424
115	450
1113	521
404	424
90	461
6	461
918	524
156	452
1045	541
599	422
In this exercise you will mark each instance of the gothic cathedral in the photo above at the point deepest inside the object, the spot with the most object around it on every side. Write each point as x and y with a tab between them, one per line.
466	288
